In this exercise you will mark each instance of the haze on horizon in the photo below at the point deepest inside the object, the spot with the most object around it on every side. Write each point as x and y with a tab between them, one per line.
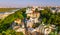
24	3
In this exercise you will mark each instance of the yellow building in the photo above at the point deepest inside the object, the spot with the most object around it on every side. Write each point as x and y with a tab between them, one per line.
18	21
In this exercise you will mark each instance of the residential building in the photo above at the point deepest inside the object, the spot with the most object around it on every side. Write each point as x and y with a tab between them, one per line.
33	16
55	10
58	10
40	8
17	24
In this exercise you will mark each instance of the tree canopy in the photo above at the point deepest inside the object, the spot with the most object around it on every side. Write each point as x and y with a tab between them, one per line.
5	23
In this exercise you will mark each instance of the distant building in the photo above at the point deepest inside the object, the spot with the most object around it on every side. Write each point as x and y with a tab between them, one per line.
40	8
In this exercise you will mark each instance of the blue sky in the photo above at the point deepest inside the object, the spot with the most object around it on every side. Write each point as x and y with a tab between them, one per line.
23	3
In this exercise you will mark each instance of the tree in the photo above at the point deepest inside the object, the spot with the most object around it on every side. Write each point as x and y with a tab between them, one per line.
5	24
36	10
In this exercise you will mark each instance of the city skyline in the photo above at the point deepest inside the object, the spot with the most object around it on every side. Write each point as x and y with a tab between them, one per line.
24	3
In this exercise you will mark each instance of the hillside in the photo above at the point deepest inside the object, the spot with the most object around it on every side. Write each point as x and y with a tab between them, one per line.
7	9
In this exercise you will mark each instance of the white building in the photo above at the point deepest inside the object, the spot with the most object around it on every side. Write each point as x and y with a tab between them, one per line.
40	8
33	16
55	10
58	10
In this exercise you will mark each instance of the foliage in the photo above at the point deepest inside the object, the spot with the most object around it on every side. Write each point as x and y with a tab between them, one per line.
46	15
11	32
36	25
53	33
8	32
19	33
5	23
36	10
49	18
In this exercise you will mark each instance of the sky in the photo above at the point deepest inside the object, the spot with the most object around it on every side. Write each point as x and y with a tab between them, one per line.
24	3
